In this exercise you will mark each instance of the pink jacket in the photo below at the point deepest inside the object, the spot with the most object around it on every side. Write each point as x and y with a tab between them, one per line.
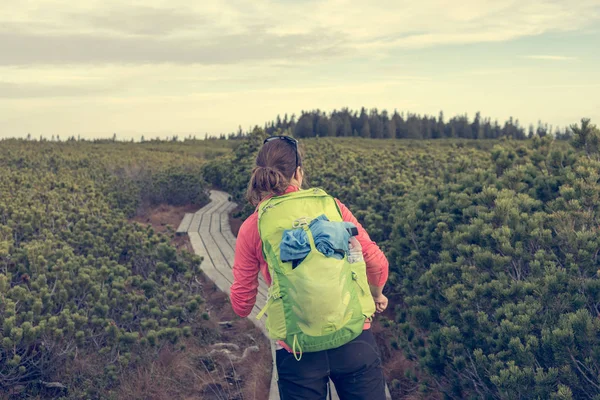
249	261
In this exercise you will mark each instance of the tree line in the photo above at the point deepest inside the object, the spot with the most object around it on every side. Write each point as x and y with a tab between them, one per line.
377	124
374	124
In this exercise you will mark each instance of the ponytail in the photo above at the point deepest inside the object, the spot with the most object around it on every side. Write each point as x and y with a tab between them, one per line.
265	181
275	166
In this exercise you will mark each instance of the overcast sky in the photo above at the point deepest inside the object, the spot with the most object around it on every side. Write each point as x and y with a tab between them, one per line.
158	68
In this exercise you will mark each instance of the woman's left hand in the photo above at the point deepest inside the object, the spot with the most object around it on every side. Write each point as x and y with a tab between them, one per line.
381	303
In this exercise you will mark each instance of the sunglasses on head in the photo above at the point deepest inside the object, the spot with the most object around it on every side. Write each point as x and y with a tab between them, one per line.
290	140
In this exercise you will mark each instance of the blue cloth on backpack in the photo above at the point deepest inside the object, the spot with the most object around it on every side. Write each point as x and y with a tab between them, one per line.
331	239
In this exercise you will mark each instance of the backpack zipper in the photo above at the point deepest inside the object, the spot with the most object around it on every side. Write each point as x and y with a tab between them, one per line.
265	209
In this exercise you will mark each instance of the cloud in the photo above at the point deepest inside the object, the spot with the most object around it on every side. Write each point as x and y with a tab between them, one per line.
568	86
143	20
494	71
237	31
551	58
18	48
11	90
99	65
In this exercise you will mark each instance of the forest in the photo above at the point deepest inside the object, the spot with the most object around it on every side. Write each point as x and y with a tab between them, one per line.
493	247
375	124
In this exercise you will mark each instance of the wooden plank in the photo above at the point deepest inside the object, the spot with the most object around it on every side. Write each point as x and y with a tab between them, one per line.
274	390
197	245
195	224
227	252
202	216
232	242
220	263
217	234
226	227
184	226
208	266
206	218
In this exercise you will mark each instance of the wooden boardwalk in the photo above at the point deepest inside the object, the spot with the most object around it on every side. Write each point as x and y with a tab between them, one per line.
210	235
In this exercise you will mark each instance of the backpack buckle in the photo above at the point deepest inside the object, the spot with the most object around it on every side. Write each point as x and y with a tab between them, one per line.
300	222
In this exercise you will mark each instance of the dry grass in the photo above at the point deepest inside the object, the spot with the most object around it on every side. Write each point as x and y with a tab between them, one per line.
165	215
195	373
198	372
396	365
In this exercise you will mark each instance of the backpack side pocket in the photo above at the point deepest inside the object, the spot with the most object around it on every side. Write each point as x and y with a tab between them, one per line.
275	323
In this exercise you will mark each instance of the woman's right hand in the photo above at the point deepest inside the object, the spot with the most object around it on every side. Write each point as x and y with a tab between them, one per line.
381	303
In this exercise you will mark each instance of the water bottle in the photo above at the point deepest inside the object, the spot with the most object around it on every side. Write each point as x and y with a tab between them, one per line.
354	250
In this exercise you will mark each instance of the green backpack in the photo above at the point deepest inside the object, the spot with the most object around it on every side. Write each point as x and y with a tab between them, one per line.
323	302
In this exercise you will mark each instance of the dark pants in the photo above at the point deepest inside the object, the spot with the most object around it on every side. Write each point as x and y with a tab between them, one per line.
354	368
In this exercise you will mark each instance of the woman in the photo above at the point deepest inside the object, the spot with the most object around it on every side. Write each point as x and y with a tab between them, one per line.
354	367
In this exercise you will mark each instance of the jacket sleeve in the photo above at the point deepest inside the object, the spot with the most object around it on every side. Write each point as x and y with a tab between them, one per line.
377	263
245	269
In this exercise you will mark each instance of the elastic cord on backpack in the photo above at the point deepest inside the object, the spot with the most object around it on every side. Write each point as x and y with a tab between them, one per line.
294	345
